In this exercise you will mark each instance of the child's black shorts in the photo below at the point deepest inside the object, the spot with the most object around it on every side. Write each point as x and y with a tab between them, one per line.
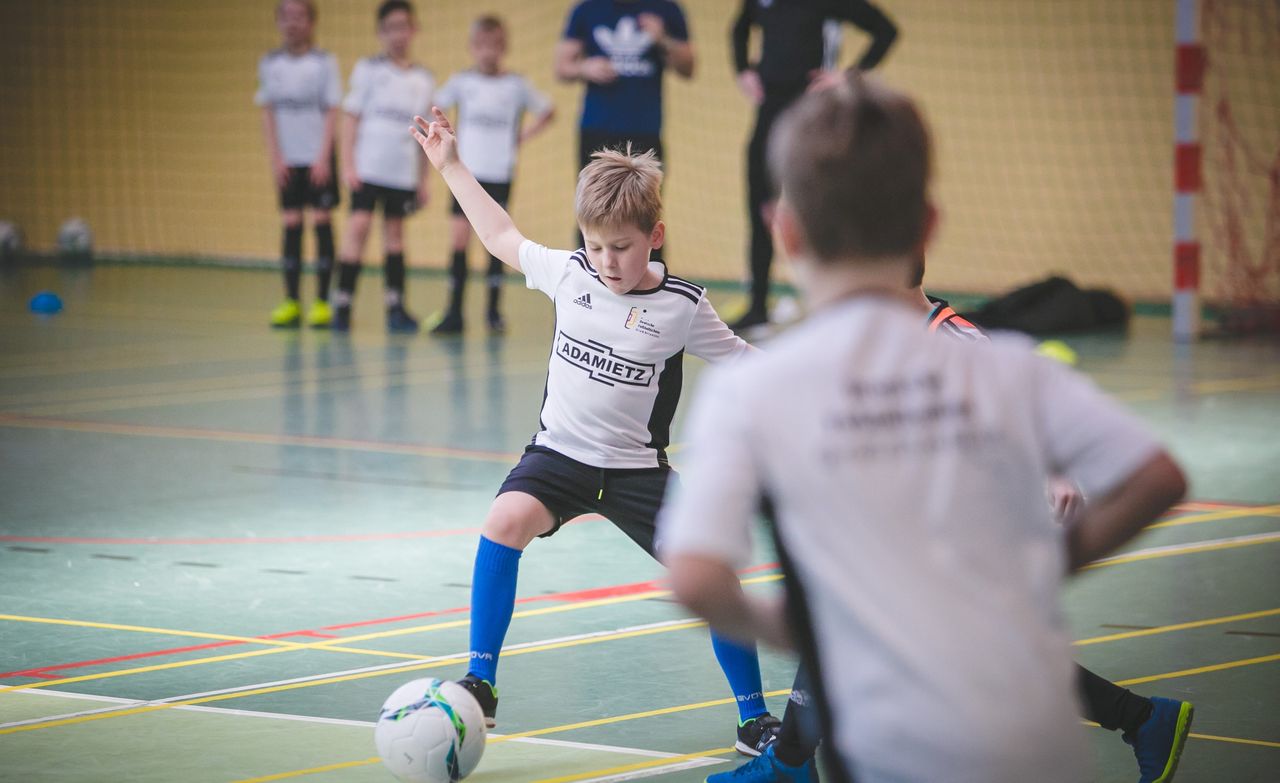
396	203
299	192
627	497
498	191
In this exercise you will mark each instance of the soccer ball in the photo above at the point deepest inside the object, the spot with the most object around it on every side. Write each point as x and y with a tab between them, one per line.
75	238
430	731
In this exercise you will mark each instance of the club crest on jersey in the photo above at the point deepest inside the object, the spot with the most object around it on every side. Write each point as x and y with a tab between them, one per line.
601	364
583	301
637	321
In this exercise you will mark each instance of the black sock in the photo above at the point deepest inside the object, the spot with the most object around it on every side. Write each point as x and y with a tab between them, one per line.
291	255
393	278
348	274
1111	706
494	278
324	259
457	280
800	732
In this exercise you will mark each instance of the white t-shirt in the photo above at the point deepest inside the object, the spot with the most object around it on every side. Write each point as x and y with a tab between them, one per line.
300	91
386	97
907	475
490	109
616	366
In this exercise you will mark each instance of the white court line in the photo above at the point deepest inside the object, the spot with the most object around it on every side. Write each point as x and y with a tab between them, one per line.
368	724
459	657
641	774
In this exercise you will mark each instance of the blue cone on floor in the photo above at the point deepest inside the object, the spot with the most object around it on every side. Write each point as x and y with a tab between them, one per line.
46	303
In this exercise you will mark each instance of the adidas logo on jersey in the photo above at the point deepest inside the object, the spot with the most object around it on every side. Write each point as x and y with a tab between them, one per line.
583	301
626	47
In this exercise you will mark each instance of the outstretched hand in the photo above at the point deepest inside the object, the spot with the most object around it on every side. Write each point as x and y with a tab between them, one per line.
436	138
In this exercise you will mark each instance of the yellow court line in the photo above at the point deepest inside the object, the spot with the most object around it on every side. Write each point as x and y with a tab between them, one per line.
1236	740
1175	627
1214	516
144	669
297	773
1189	549
629	716
1217	667
17	618
637	766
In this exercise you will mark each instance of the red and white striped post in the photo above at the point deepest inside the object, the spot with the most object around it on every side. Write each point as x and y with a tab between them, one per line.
1189	78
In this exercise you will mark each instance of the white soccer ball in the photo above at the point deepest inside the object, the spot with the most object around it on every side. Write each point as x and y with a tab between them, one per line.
75	238
430	731
10	239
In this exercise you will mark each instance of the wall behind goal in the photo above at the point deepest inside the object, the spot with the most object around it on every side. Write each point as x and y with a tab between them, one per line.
1052	120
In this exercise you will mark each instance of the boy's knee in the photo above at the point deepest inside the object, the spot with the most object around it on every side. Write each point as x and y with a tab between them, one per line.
515	519
292	218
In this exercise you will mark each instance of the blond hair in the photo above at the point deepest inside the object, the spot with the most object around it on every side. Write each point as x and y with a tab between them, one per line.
854	162
620	188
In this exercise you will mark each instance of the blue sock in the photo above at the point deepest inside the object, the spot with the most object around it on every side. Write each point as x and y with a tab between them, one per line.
493	599
741	667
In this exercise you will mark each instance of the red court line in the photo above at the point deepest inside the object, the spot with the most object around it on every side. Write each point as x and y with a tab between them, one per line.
567	597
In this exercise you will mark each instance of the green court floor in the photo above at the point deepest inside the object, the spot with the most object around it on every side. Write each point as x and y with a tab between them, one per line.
222	546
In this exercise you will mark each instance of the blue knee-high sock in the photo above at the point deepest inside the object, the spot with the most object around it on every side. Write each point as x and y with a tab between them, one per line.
493	599
741	667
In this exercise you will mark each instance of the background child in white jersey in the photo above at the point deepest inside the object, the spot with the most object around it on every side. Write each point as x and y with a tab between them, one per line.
905	477
299	89
491	105
380	164
623	324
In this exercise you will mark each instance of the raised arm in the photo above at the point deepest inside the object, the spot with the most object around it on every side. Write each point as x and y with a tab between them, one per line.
491	222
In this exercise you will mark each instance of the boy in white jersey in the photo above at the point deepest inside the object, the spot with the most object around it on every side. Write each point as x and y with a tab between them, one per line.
299	90
380	164
623	324
905	476
1156	727
491	104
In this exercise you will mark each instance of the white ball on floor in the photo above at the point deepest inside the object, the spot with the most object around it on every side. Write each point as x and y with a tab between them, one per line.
430	731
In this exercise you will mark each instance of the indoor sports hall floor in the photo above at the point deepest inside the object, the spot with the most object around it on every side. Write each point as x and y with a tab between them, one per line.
222	546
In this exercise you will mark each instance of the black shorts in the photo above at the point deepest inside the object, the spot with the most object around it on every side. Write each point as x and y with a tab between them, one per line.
298	192
396	203
498	191
594	141
627	497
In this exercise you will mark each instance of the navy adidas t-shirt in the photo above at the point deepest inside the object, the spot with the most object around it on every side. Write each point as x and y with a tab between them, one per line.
611	28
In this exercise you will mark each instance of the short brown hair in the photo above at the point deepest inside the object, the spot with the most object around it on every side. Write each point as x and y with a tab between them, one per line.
854	163
619	188
489	23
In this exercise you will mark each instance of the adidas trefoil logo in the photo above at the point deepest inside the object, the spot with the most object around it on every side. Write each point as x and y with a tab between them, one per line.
583	301
626	47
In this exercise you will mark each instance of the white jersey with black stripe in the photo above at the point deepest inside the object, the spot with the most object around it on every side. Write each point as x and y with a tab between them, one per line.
300	90
616	366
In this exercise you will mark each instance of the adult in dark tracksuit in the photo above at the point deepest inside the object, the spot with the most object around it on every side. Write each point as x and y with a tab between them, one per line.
791	57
